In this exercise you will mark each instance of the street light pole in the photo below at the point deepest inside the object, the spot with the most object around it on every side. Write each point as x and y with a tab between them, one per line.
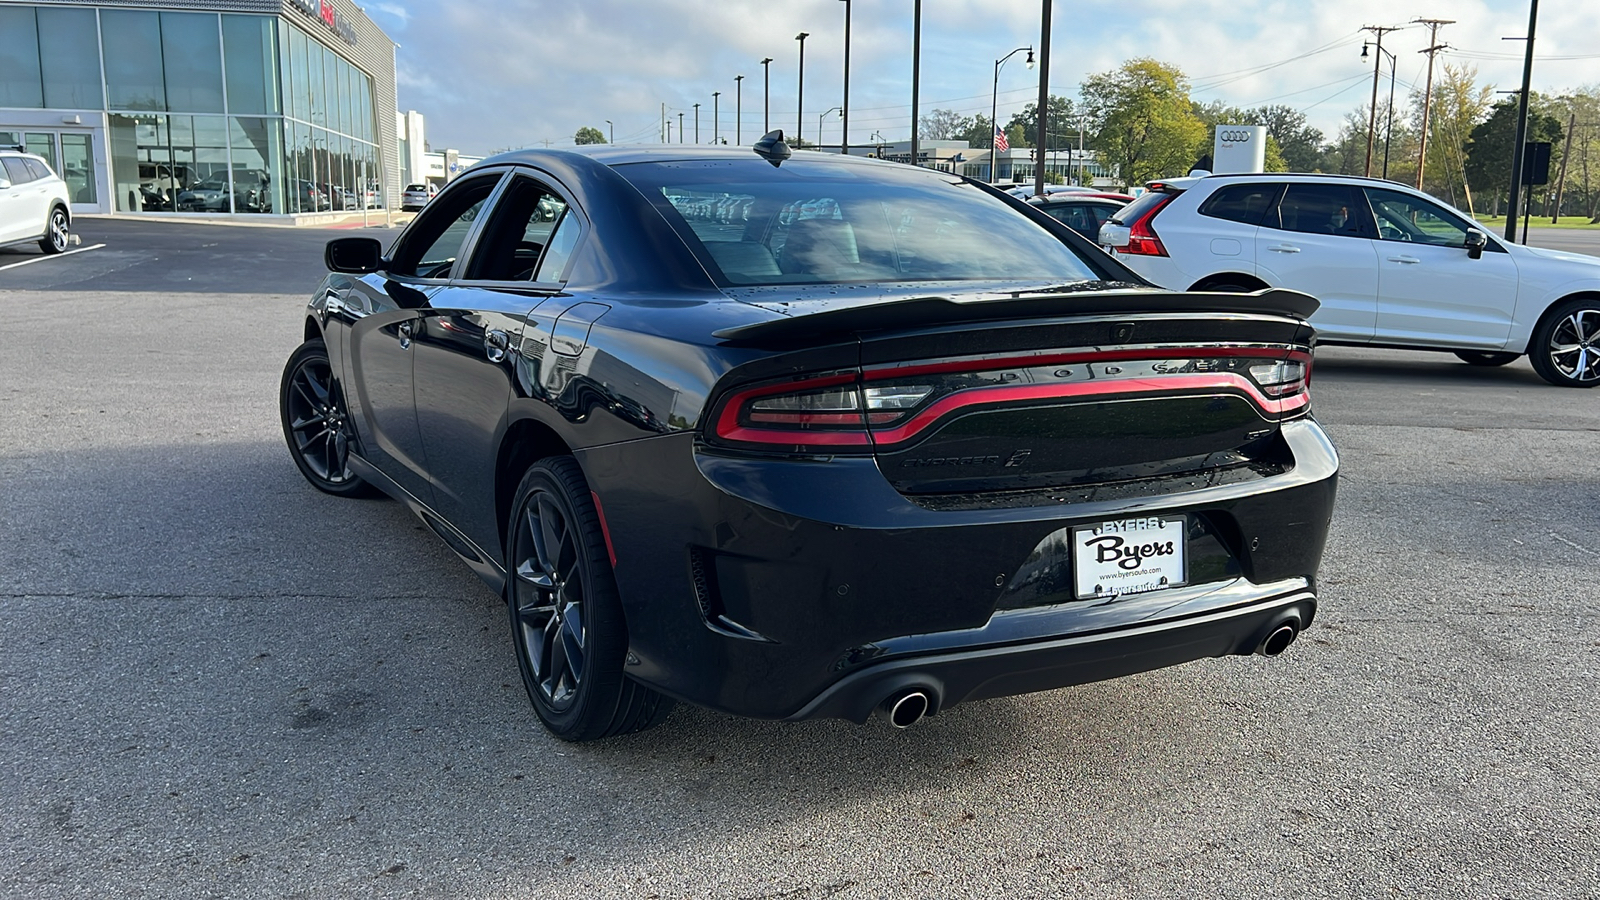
766	109
819	125
1372	114
613	131
994	109
1044	98
800	100
1522	126
1388	127
680	128
716	118
738	110
844	114
916	69
697	123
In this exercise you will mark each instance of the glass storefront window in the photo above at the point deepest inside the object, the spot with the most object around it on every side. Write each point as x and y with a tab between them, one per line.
20	84
250	52
257	159
296	83
132	49
77	167
330	86
70	40
317	101
191	49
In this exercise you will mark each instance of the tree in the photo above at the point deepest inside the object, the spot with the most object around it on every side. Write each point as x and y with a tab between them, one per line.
1299	145
947	125
1063	118
589	135
1582	190
1458	106
1143	122
1491	143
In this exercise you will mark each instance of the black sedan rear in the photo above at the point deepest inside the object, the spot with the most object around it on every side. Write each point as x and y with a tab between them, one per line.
801	436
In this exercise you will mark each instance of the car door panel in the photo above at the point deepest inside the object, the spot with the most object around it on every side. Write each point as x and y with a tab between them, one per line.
1318	240
381	398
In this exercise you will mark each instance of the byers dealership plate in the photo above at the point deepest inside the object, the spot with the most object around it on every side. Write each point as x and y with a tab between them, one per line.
1129	556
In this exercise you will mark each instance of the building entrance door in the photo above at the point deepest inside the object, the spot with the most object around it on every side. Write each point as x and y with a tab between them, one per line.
70	155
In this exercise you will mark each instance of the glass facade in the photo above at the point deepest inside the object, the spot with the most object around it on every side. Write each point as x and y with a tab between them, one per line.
206	112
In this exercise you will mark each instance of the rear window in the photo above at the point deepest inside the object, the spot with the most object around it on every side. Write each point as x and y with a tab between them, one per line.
1246	203
807	223
416	187
1141	205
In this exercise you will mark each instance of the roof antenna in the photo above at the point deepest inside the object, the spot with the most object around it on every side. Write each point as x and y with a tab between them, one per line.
772	148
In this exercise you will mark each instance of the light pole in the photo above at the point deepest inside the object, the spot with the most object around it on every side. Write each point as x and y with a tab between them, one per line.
916	71
994	109
613	131
1044	96
819	125
1388	125
1372	115
716	117
680	128
800	99
738	110
844	114
697	123
766	108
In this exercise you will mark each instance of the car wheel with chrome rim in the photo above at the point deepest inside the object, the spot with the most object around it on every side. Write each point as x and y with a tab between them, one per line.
57	232
1565	349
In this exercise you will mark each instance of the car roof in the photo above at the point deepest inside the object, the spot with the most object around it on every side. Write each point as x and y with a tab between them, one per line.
1183	184
622	154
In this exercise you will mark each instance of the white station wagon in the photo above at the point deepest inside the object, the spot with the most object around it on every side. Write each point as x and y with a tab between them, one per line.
1392	266
33	202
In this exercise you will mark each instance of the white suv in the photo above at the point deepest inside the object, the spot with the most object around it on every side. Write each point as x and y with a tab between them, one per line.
1392	266
34	204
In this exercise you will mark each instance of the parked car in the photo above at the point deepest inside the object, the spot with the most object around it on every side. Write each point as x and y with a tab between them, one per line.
1083	212
34	203
310	197
819	465
416	196
1392	266
250	192
1025	191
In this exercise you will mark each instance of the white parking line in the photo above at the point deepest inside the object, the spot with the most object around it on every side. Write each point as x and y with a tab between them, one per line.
52	256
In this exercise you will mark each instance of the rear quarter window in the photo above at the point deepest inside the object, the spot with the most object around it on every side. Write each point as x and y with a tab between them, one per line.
1246	203
1140	206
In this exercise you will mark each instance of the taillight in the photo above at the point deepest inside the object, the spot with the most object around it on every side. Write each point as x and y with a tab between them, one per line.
833	411
1142	239
1285	380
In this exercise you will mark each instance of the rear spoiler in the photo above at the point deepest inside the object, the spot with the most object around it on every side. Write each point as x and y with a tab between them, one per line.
945	310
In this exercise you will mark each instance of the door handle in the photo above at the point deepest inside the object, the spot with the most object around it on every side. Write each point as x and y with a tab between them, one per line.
1405	260
1284	248
495	345
406	330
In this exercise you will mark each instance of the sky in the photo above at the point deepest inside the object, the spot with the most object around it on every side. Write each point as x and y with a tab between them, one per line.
496	74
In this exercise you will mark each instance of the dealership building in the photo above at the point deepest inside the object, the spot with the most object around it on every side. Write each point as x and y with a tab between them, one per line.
252	107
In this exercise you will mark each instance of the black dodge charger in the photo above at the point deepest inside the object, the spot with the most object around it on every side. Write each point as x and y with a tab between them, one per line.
801	435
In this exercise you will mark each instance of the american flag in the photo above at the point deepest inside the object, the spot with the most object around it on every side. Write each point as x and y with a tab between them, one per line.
1000	142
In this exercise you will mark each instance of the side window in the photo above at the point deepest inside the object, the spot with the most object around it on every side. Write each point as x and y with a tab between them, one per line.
1322	209
431	246
38	169
1402	217
1245	203
15	170
1071	215
530	227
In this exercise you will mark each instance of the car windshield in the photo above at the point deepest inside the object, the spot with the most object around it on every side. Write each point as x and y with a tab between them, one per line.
805	223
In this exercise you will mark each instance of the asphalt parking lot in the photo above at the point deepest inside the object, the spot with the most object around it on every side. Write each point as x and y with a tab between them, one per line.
217	682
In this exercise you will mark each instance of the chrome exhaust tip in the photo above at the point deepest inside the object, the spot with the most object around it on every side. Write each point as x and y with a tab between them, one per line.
907	709
1279	639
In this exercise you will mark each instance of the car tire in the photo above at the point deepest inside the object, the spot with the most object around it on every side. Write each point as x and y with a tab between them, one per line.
1485	358
316	422
567	626
1565	347
57	232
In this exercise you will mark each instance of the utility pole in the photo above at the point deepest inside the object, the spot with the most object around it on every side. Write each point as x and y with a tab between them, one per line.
766	109
738	110
680	128
697	123
800	100
844	115
916	72
1561	180
716	118
1522	123
1372	114
1044	100
1427	95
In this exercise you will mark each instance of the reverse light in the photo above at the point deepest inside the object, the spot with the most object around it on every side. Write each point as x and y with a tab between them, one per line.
1281	378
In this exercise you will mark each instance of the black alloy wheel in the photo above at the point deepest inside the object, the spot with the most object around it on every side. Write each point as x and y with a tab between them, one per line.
57	232
1565	349
1485	358
567	625
316	423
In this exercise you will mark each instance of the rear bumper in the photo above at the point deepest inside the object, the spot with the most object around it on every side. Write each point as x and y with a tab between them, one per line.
797	588
985	672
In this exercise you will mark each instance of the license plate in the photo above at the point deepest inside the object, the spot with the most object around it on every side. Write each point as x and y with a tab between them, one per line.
1129	556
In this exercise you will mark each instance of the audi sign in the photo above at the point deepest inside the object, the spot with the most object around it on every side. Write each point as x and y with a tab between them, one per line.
1239	149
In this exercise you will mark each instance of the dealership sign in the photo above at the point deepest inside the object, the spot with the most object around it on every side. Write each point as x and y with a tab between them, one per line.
332	19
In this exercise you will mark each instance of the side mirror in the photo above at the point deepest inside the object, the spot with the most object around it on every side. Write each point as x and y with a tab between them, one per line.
353	255
1475	243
